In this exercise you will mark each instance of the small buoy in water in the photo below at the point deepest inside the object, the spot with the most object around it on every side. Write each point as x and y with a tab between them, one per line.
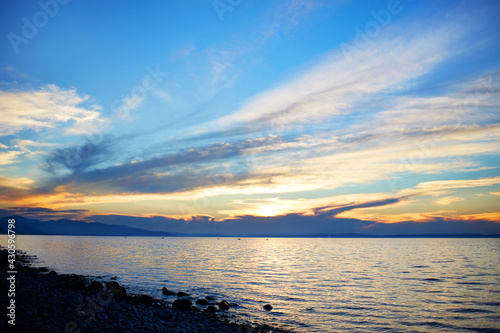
268	307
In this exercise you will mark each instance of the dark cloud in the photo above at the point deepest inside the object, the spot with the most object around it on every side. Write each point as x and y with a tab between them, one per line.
335	210
296	224
244	225
43	214
435	226
9	193
163	174
291	224
184	170
78	158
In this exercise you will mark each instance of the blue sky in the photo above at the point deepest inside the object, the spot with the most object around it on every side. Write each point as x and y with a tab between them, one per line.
378	114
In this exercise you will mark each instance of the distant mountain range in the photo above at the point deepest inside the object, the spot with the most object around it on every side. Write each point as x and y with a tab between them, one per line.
26	226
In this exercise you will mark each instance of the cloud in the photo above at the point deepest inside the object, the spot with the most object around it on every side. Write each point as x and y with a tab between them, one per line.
13	189
359	123
440	185
372	146
388	218
16	182
9	157
448	200
297	224
363	210
325	206
31	148
244	225
183	52
257	166
165	173
286	16
222	65
436	225
44	213
336	86
493	217
46	108
24	144
78	158
129	104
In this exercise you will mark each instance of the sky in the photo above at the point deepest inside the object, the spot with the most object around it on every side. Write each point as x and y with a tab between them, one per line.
256	117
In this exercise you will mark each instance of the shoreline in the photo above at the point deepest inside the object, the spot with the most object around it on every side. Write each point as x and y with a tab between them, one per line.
46	301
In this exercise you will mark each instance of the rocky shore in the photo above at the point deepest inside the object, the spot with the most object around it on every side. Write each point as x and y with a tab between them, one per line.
46	301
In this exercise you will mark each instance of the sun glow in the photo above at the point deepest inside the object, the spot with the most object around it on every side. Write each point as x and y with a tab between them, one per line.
272	210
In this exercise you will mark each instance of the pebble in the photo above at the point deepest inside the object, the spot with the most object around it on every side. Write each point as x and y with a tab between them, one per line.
224	305
202	301
72	300
268	307
52	301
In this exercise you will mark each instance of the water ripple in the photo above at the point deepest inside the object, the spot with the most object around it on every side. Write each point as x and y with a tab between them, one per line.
314	285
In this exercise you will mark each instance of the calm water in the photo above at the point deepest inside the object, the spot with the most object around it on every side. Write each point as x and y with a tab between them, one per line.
314	285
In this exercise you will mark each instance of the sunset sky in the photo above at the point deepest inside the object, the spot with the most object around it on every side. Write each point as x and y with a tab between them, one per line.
259	116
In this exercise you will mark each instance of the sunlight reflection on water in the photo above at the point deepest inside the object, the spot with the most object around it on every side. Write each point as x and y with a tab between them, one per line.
314	285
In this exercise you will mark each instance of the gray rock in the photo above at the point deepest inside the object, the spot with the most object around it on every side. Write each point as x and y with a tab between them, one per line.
165	291
115	287
145	299
224	305
95	285
77	284
202	301
182	304
72	300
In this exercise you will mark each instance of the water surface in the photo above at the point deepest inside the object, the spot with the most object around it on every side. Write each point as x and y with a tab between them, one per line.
314	285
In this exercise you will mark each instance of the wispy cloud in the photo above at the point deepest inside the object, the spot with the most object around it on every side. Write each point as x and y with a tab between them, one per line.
336	86
440	185
286	16
222	64
46	108
128	104
448	200
339	124
9	157
16	182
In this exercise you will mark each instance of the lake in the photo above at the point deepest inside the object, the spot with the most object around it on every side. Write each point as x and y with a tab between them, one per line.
314	285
